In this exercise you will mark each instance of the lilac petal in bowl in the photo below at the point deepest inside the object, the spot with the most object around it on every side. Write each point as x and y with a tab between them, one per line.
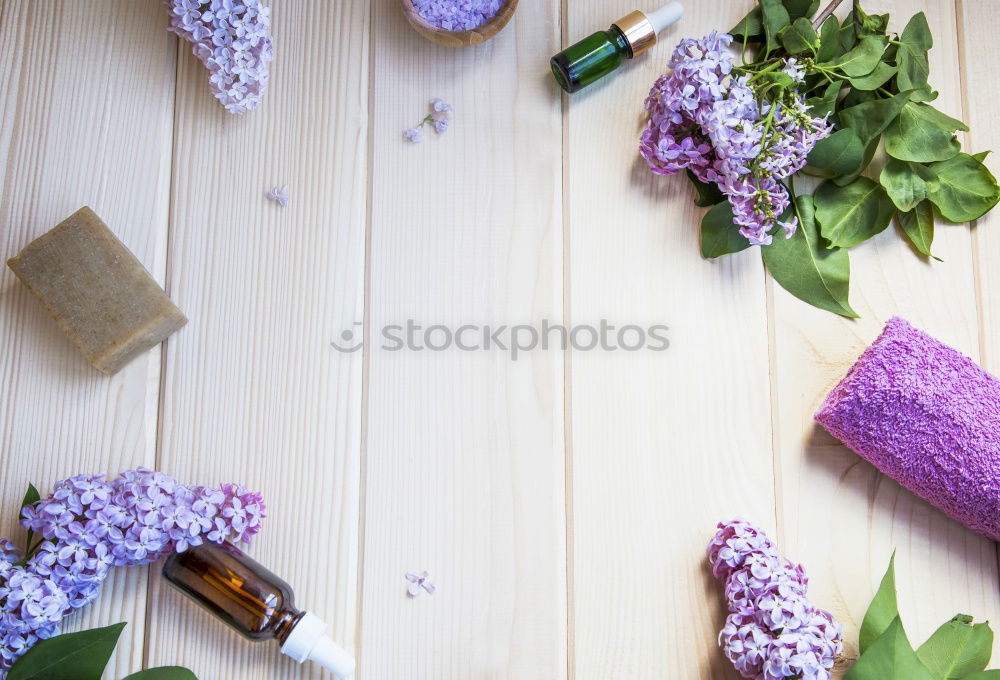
459	38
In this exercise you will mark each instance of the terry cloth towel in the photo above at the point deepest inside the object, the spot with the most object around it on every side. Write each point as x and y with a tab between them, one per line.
928	417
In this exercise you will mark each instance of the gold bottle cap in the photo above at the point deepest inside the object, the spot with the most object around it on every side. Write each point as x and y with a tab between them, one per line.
641	28
638	31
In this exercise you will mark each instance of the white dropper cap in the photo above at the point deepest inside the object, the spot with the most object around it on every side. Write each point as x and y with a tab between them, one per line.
308	642
670	13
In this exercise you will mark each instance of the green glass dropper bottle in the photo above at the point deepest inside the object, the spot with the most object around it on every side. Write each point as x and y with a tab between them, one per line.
599	54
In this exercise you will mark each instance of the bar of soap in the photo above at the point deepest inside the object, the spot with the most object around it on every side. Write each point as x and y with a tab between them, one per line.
97	291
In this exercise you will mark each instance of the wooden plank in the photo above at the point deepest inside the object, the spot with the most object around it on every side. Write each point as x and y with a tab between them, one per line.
977	22
253	391
839	516
665	444
465	458
86	101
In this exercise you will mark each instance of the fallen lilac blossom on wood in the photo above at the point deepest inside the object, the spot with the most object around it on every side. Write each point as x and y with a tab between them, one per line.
418	583
773	630
439	118
279	196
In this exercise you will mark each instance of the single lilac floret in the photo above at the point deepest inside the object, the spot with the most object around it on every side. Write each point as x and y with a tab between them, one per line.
279	196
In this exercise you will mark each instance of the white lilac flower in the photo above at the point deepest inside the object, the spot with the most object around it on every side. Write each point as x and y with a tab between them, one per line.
89	525
793	68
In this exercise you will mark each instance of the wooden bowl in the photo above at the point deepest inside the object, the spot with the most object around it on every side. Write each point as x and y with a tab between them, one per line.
459	38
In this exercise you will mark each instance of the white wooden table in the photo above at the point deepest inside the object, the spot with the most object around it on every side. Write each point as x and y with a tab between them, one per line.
561	502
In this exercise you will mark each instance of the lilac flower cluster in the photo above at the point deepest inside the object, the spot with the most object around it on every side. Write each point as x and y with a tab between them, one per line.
89	525
439	118
708	117
457	15
773	631
232	38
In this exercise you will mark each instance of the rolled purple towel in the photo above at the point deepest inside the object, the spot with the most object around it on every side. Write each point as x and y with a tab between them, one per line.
928	417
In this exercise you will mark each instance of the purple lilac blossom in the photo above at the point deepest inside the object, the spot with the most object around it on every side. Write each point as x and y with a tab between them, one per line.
89	525
279	196
439	118
232	38
773	631
706	119
457	15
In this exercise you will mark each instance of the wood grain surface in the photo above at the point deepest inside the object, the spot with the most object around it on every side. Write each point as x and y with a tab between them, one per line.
561	501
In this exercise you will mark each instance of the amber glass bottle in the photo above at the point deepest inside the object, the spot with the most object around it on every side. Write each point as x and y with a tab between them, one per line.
254	602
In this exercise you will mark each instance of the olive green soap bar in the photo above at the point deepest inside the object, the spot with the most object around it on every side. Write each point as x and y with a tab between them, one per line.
97	291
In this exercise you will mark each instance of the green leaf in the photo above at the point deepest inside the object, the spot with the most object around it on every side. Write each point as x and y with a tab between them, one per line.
874	23
164	673
906	183
829	40
74	656
985	675
957	649
847	37
719	235
807	270
855	97
31	496
890	657
870	119
923	134
707	194
939	119
870	151
839	154
824	105
799	37
912	59
853	213
779	78
912	74
880	76
882	611
749	26
775	17
965	188
918	227
981	156
800	8
863	58
917	34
